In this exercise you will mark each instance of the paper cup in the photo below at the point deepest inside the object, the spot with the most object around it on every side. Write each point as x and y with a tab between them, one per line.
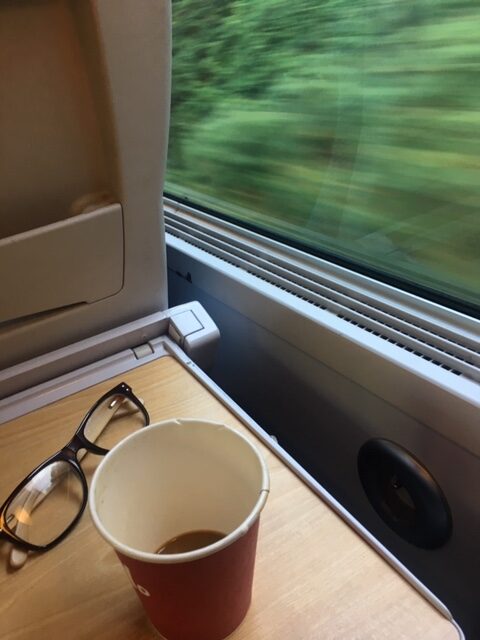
166	480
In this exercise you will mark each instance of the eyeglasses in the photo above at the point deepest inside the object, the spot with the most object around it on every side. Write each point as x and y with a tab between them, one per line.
49	502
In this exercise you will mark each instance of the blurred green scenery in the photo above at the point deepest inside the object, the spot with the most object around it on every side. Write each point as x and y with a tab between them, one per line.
352	127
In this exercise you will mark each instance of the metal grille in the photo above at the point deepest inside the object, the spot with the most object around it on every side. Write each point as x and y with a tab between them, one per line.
456	354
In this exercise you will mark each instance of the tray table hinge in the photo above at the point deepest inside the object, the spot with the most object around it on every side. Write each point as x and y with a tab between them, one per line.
142	351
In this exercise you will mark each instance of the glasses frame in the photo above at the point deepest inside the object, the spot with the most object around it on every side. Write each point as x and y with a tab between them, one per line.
68	454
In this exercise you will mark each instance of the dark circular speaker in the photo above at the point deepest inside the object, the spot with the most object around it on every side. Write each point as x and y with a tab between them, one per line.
404	494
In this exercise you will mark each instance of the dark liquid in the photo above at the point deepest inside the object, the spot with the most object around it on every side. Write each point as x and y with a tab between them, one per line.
190	541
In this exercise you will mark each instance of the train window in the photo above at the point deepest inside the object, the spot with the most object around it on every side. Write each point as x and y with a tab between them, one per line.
349	129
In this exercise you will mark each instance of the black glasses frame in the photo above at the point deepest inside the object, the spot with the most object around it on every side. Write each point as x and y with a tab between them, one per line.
69	455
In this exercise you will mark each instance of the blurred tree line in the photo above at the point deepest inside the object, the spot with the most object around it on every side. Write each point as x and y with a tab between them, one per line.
350	126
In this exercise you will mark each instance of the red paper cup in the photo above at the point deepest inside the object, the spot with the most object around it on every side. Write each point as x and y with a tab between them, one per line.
169	479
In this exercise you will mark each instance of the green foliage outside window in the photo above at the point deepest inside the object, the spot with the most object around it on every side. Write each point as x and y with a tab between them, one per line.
347	126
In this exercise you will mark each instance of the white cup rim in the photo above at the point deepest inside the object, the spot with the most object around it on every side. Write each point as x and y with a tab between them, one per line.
189	556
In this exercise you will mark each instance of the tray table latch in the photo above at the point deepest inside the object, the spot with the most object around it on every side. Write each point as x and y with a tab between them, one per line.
195	332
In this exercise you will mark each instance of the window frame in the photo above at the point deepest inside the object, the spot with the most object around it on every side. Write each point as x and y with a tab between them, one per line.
445	402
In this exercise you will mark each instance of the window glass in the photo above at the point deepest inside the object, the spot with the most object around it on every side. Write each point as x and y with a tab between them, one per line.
350	128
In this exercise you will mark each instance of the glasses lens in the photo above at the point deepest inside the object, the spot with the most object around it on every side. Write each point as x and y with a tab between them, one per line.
44	508
113	420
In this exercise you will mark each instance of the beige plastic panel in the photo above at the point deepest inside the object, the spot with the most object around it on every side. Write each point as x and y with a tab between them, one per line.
67	262
52	152
84	109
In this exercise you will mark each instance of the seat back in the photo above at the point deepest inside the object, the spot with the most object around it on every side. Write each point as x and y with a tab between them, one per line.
84	112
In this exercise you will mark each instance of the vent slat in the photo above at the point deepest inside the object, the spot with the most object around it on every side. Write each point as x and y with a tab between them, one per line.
437	349
234	247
